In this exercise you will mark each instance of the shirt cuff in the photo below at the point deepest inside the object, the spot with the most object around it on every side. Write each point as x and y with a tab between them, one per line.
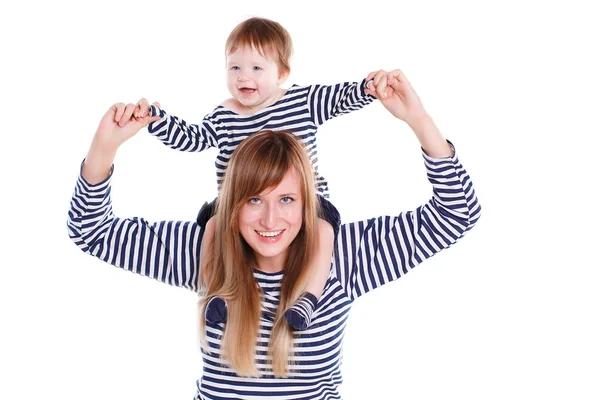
154	111
363	86
440	160
95	187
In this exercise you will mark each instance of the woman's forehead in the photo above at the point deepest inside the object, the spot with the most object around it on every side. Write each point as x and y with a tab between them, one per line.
290	184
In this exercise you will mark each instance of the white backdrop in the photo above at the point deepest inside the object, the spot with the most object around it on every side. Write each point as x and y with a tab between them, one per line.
511	311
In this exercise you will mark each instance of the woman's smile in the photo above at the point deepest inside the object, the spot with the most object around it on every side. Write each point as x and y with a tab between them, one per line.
270	236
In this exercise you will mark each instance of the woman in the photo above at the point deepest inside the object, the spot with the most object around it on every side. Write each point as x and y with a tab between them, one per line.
265	227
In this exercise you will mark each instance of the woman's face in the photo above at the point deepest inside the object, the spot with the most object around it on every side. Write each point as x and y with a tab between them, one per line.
270	221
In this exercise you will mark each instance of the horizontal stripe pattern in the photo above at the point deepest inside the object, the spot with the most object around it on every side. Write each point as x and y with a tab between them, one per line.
301	110
386	248
367	255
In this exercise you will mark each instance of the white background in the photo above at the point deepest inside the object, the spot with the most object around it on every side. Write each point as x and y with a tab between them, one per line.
511	311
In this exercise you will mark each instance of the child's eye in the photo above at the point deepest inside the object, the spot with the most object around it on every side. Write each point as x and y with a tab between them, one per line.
257	68
254	200
286	200
235	68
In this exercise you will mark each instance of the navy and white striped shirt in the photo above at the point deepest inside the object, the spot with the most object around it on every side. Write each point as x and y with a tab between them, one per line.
367	255
301	110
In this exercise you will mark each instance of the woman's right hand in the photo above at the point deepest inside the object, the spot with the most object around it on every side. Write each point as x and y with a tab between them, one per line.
119	124
398	96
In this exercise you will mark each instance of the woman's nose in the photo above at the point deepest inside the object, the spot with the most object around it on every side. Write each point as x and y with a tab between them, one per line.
269	217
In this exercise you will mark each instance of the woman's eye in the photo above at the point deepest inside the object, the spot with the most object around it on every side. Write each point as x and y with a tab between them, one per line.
286	200
254	200
256	68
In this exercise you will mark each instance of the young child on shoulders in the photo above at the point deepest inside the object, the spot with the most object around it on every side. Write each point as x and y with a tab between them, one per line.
258	55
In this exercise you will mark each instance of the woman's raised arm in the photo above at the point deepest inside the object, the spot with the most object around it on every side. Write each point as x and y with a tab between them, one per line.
371	253
167	251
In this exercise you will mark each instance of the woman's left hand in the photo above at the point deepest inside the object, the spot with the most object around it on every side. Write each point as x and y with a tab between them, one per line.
396	94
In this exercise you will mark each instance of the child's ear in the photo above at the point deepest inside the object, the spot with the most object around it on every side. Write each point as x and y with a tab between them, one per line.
283	75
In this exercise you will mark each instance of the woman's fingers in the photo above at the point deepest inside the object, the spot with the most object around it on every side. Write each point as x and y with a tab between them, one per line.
402	85
394	77
144	121
127	114
142	108
380	83
392	83
382	91
384	84
119	110
140	112
398	81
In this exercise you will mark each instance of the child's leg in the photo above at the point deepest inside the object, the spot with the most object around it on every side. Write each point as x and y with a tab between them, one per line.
300	314
216	309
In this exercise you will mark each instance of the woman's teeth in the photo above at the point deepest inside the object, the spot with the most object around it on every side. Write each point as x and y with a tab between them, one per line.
269	234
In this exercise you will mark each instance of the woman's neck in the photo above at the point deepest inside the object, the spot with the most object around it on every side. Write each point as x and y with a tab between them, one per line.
271	265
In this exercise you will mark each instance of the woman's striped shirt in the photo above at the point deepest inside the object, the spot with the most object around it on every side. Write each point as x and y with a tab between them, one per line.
301	110
367	255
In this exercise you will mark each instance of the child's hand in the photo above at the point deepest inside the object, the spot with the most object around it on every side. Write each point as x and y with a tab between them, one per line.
377	85
142	108
396	94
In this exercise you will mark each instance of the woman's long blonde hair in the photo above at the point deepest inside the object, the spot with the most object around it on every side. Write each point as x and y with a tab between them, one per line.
259	162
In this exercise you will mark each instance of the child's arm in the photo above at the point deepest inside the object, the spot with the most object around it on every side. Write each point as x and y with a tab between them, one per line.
321	265
174	132
299	315
326	102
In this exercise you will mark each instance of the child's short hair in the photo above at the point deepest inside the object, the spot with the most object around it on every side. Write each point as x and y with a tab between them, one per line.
263	35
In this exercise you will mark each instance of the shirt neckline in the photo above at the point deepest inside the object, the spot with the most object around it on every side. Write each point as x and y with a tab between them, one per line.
269	274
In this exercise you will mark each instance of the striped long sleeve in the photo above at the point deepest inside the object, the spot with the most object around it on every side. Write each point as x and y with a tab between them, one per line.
166	251
177	134
326	102
367	254
371	253
301	110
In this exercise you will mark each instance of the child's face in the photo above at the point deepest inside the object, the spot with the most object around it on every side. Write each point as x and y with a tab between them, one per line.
253	80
